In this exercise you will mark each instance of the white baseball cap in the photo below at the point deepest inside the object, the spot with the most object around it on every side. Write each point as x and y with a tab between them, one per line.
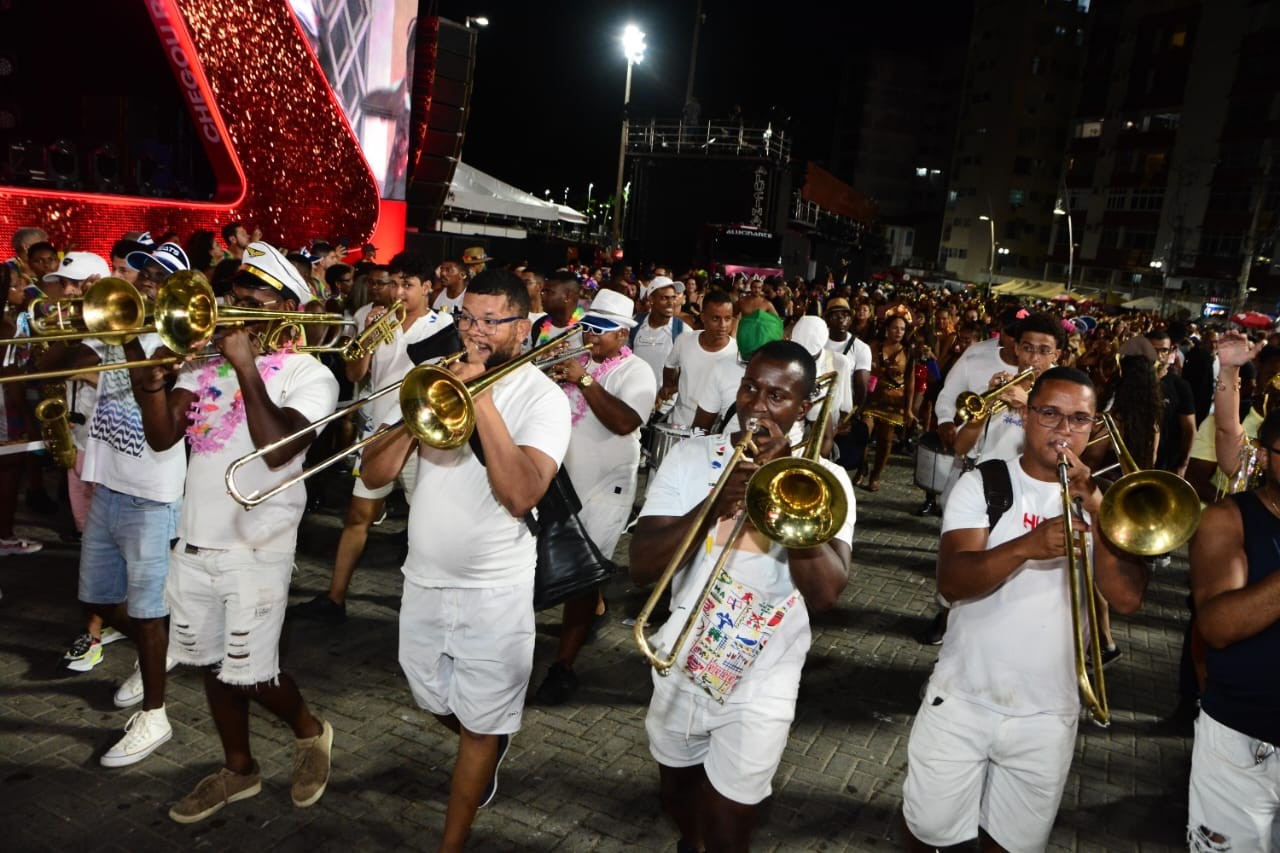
79	266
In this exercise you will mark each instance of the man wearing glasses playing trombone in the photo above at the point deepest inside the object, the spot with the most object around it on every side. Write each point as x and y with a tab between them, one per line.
992	742
466	617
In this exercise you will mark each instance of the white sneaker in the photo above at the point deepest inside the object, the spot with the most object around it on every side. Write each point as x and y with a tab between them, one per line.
110	635
18	545
144	733
130	692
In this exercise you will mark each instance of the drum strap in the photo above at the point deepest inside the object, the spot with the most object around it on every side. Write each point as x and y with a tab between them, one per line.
997	488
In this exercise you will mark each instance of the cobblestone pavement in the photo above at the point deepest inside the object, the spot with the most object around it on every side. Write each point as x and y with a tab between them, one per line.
578	777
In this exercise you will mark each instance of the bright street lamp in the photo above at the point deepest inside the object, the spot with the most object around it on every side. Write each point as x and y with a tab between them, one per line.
991	259
633	47
1059	210
478	20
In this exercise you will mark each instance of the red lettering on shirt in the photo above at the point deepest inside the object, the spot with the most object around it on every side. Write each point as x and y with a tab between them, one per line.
1030	521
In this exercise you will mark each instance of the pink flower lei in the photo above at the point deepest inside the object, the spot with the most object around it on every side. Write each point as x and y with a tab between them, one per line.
578	405
208	433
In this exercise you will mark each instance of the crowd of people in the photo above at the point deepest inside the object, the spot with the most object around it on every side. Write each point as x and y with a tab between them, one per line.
693	384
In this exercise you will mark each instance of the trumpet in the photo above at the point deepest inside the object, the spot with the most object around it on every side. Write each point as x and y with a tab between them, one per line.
973	406
379	332
1144	513
431	400
794	501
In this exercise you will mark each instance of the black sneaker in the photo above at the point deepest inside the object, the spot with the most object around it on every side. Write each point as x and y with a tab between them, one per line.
322	609
1110	656
932	636
491	790
558	687
929	507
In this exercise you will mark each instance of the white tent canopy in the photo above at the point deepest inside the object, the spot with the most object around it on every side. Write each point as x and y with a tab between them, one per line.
472	191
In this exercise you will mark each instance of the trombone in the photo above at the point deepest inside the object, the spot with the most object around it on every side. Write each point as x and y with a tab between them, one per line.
1143	513
187	313
971	405
794	501
111	310
185	316
436	405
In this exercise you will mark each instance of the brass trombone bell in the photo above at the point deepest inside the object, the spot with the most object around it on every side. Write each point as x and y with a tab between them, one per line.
971	405
439	408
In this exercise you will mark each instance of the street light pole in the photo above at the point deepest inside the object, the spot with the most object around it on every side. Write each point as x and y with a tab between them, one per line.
633	47
1071	243
991	259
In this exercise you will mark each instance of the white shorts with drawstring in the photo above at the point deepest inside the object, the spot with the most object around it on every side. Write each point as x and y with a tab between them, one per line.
739	744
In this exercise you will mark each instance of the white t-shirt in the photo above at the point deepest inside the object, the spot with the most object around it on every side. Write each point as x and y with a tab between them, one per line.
82	397
827	361
445	302
459	534
720	391
1011	649
602	464
654	345
971	372
1002	438
686	476
390	362
116	453
859	353
210	518
695	365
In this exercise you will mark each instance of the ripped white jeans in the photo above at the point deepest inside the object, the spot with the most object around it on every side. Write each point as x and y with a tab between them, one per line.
1234	799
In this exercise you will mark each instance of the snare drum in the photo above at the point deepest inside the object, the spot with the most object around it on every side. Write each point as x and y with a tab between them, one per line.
660	439
933	464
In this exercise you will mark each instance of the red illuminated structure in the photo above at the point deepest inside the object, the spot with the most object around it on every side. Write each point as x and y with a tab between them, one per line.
283	155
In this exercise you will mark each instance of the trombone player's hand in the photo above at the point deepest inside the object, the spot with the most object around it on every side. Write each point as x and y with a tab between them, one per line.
238	345
1080	483
1049	539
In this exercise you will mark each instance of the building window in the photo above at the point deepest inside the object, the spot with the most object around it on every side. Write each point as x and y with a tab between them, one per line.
909	238
1178	39
1022	165
1116	199
1016	198
1110	239
1146	199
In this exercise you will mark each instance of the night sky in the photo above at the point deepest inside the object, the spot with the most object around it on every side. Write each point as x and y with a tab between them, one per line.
547	103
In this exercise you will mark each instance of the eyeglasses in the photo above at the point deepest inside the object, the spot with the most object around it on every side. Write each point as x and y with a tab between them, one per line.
1050	418
593	329
152	274
1043	352
1163	350
237	301
379	282
485	325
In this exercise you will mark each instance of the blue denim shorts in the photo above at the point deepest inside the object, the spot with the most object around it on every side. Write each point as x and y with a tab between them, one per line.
124	555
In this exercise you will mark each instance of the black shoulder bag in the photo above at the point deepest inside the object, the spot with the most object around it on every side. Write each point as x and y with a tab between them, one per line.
569	563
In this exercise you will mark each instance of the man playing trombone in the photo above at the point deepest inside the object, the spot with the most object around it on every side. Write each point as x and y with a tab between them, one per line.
409	274
466	618
717	752
992	742
229	571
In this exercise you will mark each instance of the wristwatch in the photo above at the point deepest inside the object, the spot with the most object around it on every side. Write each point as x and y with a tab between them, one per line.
585	381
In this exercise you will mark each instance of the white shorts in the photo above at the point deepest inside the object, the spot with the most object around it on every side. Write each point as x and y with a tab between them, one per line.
604	520
469	652
1234	799
227	608
407	477
971	767
739	744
